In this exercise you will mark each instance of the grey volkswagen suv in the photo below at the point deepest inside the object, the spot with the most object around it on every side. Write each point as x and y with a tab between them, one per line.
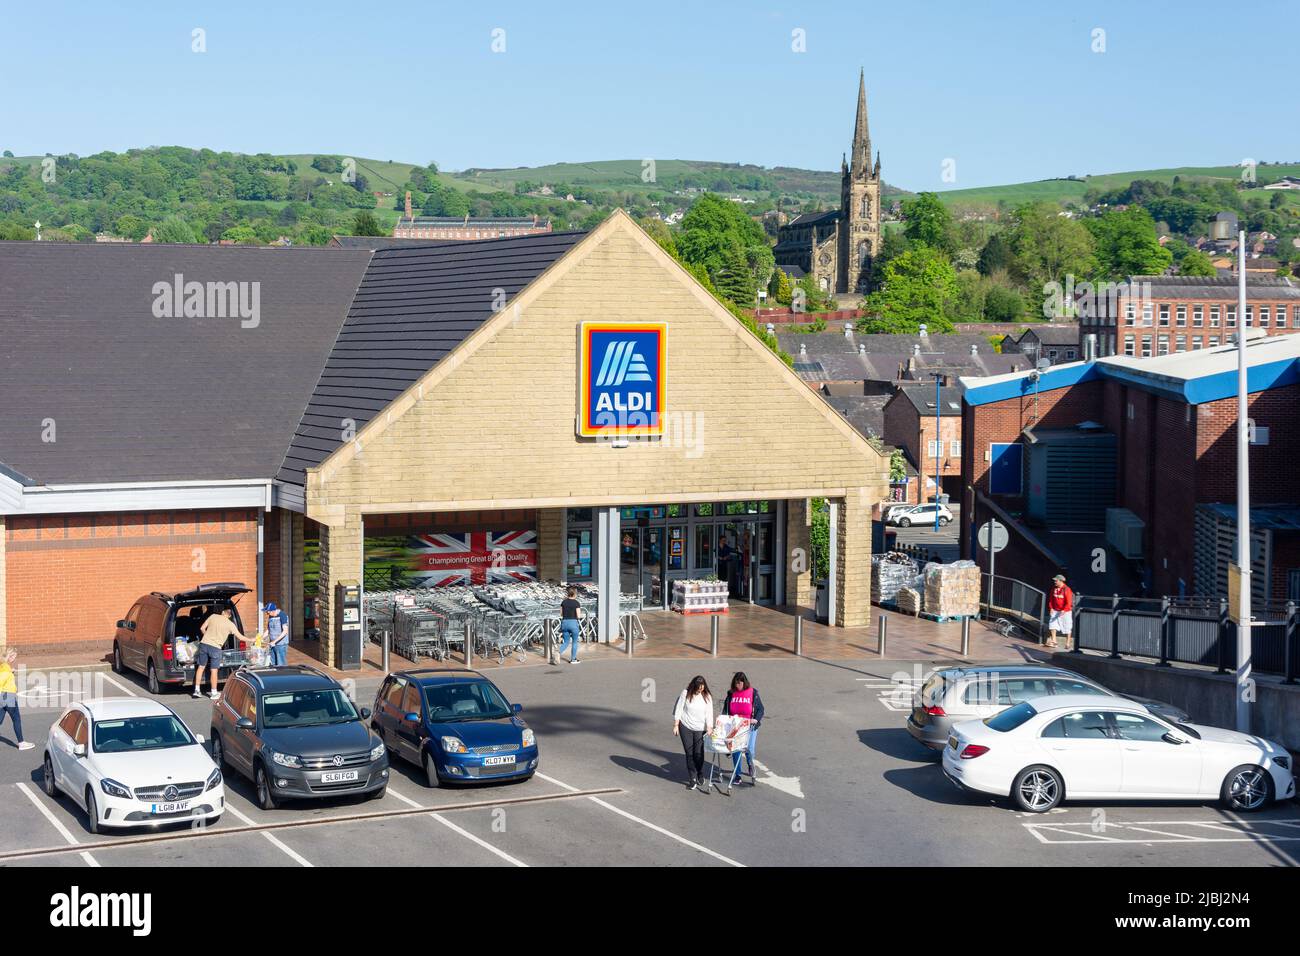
294	733
955	694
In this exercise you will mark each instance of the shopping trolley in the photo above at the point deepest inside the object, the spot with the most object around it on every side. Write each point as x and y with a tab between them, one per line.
731	737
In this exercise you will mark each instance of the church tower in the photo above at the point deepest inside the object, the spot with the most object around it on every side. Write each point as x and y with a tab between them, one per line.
859	227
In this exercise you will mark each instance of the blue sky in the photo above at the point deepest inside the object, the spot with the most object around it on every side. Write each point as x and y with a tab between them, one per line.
1010	91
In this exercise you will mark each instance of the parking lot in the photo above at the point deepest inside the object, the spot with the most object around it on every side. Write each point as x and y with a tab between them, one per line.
840	782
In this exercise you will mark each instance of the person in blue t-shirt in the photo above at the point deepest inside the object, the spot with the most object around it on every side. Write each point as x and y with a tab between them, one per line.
277	635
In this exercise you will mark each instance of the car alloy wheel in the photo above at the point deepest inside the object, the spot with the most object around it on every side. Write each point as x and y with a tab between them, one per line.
117	659
92	811
218	752
905	522
1037	789
154	687
265	795
431	771
47	776
1247	788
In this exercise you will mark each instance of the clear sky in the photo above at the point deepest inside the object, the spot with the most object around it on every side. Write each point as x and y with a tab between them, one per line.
1009	90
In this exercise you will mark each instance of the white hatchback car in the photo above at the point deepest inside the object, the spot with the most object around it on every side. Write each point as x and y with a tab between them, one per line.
131	762
1077	747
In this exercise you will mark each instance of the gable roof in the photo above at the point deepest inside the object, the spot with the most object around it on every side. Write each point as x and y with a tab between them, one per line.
413	306
922	398
134	397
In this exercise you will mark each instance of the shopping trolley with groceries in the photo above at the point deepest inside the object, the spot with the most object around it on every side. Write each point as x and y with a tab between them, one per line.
730	736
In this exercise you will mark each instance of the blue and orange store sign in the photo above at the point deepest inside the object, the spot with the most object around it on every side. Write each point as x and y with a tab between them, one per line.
621	378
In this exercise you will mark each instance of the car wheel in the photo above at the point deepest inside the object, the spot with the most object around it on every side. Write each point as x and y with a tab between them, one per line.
431	771
1037	789
218	751
905	522
265	795
47	778
92	811
117	659
1247	788
943	522
154	686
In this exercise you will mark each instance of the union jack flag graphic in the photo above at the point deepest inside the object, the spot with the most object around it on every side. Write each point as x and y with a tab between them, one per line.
473	557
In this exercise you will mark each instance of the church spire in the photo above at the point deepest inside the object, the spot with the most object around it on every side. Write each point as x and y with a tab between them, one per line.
861	135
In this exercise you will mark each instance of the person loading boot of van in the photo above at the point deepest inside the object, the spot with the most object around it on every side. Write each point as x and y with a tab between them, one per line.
216	630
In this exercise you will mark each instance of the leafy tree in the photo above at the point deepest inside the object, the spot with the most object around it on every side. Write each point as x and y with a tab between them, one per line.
1003	305
1126	244
131	227
327	164
365	224
315	235
968	304
814	299
1046	246
173	229
919	288
243	235
714	230
734	279
780	289
929	222
9	154
996	256
1196	263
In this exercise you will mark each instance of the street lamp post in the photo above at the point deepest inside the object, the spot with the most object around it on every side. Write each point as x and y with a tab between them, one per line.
938	445
1244	694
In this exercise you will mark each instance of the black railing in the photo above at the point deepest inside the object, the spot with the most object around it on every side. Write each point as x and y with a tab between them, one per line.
1188	630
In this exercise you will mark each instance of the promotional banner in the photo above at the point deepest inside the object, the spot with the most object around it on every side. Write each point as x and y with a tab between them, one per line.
451	557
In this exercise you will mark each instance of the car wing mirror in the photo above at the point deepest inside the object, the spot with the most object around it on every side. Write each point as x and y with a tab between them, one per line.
78	750
411	718
126	625
1173	738
365	712
517	707
245	723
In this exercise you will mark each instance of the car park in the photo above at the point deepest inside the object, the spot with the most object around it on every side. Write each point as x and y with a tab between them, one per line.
131	762
456	725
919	515
294	733
159	632
1085	747
955	694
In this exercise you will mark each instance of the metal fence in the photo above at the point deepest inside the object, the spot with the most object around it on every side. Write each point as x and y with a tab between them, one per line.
1190	630
1015	601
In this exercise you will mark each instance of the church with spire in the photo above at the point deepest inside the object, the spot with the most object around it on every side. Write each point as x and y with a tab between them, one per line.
837	247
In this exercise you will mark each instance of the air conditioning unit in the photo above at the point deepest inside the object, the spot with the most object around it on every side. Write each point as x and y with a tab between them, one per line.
1124	532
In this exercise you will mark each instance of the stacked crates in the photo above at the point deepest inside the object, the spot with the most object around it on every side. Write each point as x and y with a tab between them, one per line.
699	597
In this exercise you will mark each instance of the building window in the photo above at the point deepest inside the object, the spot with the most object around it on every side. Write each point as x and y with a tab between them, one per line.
1130	314
1232	317
1128	345
1162	345
1281	317
1181	315
1180	343
1214	341
1263	316
1069	355
934	449
1198	315
1250	316
1146	346
1196	341
1146	313
1214	316
1164	314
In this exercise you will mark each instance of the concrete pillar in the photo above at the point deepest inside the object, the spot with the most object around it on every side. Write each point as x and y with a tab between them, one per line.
340	560
550	544
296	585
798	554
853	568
607	572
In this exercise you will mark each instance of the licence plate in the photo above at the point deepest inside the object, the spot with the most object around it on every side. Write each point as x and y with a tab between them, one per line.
339	776
169	807
498	761
952	742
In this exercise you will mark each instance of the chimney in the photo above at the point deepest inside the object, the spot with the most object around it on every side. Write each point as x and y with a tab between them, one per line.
408	204
916	349
803	349
771	329
974	349
848	330
923	333
1089	347
862	348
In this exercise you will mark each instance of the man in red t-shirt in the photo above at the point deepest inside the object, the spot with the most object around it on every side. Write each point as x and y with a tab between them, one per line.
1060	611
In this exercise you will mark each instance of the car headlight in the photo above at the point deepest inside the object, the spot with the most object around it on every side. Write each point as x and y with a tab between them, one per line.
287	760
529	737
115	789
377	752
213	780
454	745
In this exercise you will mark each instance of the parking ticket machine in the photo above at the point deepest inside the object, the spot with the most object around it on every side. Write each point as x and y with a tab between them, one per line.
347	624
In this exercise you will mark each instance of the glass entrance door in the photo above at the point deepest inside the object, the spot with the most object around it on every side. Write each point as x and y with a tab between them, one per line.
629	561
652	559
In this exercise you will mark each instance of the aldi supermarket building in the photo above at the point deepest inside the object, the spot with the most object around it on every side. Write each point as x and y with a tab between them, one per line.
570	406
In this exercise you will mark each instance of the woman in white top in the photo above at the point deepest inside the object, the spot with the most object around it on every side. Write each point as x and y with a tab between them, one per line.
692	719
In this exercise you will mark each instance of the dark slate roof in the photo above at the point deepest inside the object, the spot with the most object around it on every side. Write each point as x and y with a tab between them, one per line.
813	218
135	397
1053	334
414	306
866	413
834	340
380	242
1219	287
794	272
922	398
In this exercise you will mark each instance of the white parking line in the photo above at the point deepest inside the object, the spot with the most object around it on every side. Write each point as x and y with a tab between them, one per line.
58	825
293	855
463	832
119	685
1074	834
646	823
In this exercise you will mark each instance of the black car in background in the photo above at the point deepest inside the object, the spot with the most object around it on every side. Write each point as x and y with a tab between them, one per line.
294	732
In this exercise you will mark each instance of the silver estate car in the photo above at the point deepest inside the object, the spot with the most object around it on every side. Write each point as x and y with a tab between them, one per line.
955	694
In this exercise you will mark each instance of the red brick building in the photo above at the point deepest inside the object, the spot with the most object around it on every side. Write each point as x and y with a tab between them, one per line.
1051	453
910	425
411	226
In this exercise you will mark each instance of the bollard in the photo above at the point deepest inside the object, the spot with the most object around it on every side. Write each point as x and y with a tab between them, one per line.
884	626
548	627
630	638
1288	660
1164	632
385	653
798	635
965	637
469	644
1221	645
713	635
1114	625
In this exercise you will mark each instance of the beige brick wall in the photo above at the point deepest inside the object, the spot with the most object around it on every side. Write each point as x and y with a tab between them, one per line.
493	426
853	569
340	560
798	537
550	546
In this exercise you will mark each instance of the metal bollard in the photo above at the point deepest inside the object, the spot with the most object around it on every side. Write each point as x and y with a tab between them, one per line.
965	637
884	627
713	635
798	635
384	666
548	626
469	644
631	638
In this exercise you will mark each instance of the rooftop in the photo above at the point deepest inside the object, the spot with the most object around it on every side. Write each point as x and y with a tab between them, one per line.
922	397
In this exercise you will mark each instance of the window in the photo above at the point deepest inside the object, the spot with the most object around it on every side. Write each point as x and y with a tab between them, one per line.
79	733
1011	718
410	700
1080	726
234	696
579	516
69	722
1214	316
1136	727
1069	355
1129	346
393	697
704	546
1197	341
1146	313
1214	341
1232	317
1162	345
1164	313
1146	346
1180	315
1130	313
1198	315
934	449
1263	316
954	448
1281	317
1064	685
1180	343
1250	316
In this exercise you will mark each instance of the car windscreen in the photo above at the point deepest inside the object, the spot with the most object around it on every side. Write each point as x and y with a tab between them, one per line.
140	733
1011	718
471	700
307	708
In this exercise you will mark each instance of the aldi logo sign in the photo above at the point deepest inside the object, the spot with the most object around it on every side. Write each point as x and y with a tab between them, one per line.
621	378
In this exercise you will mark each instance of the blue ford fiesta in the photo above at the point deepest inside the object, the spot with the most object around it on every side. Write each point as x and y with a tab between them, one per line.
456	724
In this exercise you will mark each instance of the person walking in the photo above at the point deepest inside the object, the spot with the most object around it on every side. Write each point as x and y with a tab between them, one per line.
692	719
743	701
570	628
1060	611
277	635
216	630
9	697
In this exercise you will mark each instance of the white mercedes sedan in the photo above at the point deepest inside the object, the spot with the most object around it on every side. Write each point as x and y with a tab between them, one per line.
132	762
1049	749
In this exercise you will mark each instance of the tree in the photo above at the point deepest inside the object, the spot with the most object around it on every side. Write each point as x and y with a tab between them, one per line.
1126	244
243	235
327	164
1003	305
131	227
1046	246
315	235
995	256
928	222
713	229
365	224
1196	263
919	288
734	279
780	289
173	229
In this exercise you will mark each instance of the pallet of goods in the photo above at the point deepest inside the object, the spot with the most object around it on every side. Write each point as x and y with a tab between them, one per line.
891	572
952	591
908	601
699	597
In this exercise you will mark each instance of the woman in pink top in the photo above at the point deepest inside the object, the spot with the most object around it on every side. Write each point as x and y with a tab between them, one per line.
743	701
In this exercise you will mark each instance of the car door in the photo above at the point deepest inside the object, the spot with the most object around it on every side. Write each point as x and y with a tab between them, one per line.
408	731
238	740
126	640
61	745
389	710
1153	765
79	767
1082	746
